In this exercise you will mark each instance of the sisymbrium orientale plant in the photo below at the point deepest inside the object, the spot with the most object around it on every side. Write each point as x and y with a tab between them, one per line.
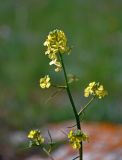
56	49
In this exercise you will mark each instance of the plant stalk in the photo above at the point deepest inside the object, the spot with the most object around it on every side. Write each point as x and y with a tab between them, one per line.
73	105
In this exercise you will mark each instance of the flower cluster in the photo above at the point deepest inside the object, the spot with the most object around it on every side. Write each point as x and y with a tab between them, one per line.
56	42
45	82
35	137
76	137
95	89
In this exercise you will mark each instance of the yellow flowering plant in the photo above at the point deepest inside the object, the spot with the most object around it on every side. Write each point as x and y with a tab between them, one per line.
45	82
56	47
95	89
36	138
76	137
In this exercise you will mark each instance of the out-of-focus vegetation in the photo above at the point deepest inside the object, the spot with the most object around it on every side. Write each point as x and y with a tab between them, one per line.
93	28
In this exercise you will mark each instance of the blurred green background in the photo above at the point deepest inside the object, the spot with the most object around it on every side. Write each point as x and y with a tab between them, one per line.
93	28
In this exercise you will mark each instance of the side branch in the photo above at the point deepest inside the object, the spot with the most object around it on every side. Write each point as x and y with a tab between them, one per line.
85	107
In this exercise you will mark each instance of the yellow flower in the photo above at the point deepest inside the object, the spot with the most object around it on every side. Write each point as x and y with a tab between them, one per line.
76	145
57	64
95	89
76	137
35	137
90	89
56	42
100	92
33	133
45	82
70	134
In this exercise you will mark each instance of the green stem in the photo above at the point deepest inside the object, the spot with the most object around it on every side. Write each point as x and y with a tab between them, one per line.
58	86
85	107
72	103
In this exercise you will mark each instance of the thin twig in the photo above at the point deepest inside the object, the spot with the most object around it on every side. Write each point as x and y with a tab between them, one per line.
54	94
72	126
51	141
59	86
85	107
75	157
82	116
50	136
64	133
